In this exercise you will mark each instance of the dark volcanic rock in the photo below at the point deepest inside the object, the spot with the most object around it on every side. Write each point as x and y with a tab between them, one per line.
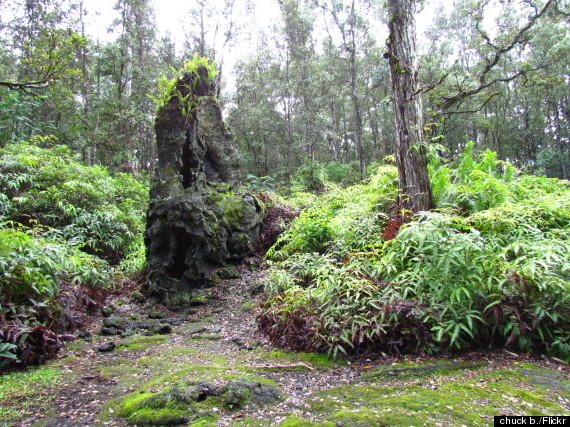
242	393
196	223
161	329
109	331
110	346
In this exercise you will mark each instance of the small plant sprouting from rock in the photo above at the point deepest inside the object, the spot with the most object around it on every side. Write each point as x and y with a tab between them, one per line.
167	87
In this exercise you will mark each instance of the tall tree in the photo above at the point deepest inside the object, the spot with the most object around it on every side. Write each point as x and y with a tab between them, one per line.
350	26
414	184
213	27
132	67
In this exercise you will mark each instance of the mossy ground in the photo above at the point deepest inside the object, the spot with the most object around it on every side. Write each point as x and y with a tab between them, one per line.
25	392
441	392
138	342
316	360
319	390
444	393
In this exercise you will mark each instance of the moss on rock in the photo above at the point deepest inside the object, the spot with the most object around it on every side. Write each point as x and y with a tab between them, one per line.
138	342
195	401
417	370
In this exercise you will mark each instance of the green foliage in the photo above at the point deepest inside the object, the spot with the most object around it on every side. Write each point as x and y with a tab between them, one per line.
16	116
51	55
135	261
32	270
167	87
340	220
259	183
315	177
492	270
87	206
63	222
310	232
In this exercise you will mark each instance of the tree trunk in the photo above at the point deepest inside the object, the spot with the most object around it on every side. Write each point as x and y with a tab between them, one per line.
358	134
415	188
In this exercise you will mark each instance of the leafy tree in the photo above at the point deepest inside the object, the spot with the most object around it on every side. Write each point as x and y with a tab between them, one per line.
352	28
48	58
492	85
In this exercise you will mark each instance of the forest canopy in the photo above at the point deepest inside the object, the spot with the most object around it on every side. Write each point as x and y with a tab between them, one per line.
311	86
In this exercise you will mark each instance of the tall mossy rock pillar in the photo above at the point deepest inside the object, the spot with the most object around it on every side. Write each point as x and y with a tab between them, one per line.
196	222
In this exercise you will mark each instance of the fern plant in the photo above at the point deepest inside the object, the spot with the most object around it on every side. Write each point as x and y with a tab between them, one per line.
167	87
490	268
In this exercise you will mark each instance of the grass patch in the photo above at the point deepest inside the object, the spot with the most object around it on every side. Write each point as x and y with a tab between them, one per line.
26	392
314	359
138	342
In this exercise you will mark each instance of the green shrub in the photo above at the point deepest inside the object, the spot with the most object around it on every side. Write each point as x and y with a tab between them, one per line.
490	268
32	270
87	205
341	173
75	218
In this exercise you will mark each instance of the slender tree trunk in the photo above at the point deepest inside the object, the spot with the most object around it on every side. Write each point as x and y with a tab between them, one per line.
358	134
414	185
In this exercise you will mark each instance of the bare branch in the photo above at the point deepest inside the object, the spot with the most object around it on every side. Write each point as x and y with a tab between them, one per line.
453	100
447	113
499	52
431	87
27	87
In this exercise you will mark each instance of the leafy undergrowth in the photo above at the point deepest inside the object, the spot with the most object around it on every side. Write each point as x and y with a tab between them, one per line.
64	228
490	268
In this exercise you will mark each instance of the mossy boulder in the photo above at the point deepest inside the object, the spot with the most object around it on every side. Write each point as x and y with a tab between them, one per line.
194	401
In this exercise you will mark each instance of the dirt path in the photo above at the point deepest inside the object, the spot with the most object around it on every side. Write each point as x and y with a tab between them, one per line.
218	347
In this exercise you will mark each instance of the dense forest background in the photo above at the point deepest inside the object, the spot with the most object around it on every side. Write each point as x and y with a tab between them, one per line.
310	104
312	88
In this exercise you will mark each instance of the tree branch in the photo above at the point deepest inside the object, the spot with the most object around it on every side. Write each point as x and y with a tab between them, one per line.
447	113
451	101
430	87
561	12
498	54
27	87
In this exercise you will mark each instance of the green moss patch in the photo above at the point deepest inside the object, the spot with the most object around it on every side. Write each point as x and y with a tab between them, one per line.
179	351
203	373
472	397
138	342
207	337
27	392
317	360
545	378
190	401
294	421
417	370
